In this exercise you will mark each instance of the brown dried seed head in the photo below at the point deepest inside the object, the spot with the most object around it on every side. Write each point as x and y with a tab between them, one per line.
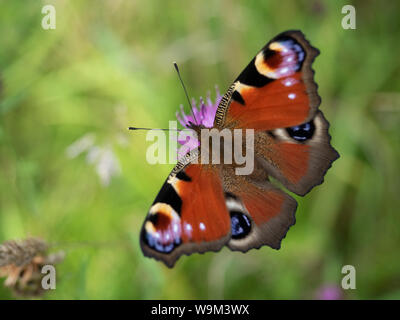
21	252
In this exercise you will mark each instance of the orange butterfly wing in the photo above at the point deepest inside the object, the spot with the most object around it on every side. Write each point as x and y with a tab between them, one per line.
261	214
276	95
276	89
189	215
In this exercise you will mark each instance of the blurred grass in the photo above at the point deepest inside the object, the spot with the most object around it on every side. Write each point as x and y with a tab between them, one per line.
108	65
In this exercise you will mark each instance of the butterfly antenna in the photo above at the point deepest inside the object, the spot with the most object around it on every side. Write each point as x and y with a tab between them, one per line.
186	93
137	128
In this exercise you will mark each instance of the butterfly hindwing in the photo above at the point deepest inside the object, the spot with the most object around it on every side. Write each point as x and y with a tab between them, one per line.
261	214
298	156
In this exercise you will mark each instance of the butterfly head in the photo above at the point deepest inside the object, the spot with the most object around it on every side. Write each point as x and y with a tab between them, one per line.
196	127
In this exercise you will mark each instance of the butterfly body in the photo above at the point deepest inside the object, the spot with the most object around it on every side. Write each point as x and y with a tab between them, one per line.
204	206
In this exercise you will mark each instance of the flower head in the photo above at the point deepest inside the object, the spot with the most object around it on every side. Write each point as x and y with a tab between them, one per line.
204	115
329	292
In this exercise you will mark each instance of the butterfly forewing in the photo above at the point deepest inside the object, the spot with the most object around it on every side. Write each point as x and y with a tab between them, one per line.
276	89
188	215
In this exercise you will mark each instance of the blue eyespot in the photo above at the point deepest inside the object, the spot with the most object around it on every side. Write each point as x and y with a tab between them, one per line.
240	225
302	132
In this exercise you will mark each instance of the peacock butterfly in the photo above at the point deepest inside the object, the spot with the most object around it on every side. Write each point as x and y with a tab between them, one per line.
203	207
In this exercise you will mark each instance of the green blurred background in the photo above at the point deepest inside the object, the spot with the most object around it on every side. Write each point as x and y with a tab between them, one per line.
73	175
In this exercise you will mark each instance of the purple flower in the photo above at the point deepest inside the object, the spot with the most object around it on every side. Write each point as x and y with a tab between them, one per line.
204	115
329	292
